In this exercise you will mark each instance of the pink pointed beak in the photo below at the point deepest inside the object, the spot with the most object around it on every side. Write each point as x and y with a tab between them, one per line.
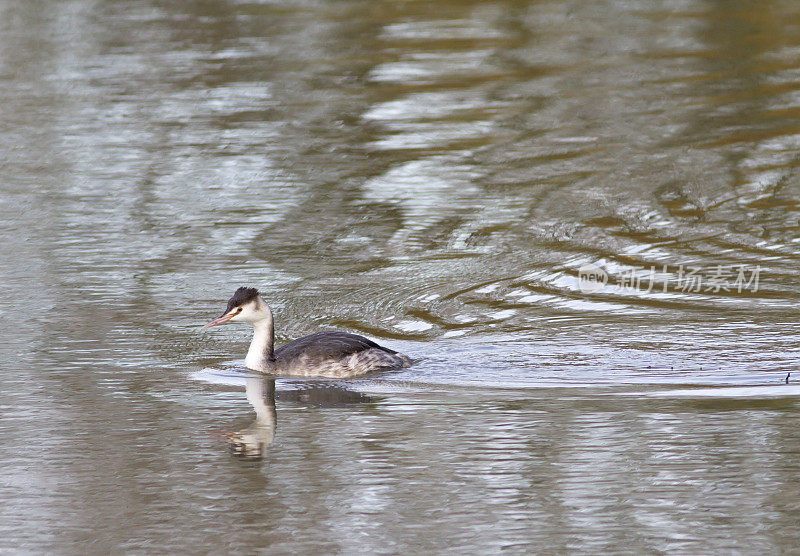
221	320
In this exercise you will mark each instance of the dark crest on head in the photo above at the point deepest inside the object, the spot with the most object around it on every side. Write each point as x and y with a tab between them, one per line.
241	296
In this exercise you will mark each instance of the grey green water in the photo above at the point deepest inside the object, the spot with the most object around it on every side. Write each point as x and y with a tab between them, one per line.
434	175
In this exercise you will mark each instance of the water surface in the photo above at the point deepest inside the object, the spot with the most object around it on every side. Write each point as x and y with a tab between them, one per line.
435	176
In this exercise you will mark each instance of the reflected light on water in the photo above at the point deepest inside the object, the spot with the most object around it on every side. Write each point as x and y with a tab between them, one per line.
434	176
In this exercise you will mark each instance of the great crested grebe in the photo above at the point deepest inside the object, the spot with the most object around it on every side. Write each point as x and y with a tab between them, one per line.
324	354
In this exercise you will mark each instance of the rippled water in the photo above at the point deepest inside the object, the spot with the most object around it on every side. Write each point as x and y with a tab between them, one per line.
441	177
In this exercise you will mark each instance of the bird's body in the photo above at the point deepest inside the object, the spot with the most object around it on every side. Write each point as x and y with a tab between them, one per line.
334	355
324	354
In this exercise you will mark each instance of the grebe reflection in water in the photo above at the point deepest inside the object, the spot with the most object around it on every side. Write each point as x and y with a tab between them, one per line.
253	442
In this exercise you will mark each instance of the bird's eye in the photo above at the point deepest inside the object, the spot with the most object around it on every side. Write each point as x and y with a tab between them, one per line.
238	309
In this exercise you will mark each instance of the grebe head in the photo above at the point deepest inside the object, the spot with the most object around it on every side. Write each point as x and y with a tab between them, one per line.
245	306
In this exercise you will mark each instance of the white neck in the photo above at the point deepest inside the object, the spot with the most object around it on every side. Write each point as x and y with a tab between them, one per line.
261	347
